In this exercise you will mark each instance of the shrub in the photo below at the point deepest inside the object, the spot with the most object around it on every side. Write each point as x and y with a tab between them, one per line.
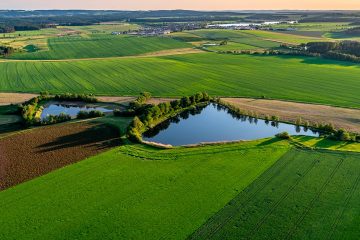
91	114
283	135
275	118
342	135
51	119
128	113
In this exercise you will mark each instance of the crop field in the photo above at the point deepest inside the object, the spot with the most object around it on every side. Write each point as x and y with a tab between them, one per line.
102	28
135	192
94	46
291	78
305	195
232	46
235	36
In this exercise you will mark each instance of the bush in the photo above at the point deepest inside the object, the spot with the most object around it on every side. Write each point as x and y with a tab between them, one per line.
51	119
76	97
128	113
91	114
283	135
342	135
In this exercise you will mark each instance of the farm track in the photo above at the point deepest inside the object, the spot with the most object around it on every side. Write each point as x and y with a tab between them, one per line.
33	153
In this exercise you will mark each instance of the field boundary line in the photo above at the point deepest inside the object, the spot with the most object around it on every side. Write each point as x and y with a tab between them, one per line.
246	200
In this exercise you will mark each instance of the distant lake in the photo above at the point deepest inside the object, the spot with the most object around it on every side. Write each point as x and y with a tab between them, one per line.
71	109
214	123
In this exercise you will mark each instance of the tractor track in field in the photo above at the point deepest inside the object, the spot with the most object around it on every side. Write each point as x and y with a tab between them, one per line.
347	200
316	197
241	204
284	196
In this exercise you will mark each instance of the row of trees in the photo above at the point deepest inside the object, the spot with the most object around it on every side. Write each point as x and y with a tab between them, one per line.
149	115
89	98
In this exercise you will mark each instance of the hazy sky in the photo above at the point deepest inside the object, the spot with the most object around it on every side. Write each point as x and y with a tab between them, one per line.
182	4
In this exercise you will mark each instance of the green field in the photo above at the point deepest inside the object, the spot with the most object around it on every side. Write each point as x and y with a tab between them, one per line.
98	46
231	46
305	195
135	192
291	78
243	37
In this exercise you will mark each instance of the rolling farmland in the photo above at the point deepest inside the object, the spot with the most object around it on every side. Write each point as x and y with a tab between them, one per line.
135	192
305	195
291	78
95	46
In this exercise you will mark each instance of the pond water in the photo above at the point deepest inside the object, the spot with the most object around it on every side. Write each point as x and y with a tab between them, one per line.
71	109
214	123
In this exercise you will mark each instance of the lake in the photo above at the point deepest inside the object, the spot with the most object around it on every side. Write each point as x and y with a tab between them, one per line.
214	123
71	109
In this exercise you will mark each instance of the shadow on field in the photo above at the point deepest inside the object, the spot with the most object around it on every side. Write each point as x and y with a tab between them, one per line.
270	141
318	60
100	137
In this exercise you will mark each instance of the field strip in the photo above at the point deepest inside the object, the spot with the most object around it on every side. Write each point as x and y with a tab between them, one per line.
161	53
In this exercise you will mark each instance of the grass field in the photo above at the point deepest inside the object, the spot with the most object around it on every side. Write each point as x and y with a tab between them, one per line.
135	192
291	78
232	46
243	37
102	28
94	46
305	195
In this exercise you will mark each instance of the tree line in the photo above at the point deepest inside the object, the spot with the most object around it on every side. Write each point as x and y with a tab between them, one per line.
147	115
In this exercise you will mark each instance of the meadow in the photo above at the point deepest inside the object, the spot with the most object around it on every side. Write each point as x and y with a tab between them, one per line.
100	45
304	79
305	195
135	192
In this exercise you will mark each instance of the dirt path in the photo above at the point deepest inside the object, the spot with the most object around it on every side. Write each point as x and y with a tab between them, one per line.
170	52
33	153
15	98
290	111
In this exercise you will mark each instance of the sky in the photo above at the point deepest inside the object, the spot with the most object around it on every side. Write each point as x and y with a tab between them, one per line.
183	4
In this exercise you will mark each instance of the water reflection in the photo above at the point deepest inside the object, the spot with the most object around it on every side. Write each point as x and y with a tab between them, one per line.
214	123
72	110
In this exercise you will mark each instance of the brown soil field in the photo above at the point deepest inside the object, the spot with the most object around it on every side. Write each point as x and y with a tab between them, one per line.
121	100
38	151
159	100
15	98
290	111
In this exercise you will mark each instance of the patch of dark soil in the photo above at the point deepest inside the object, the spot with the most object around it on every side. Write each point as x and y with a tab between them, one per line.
33	153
